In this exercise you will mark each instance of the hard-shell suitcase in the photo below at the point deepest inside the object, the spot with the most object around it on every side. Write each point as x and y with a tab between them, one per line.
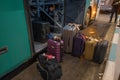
100	51
40	31
69	31
55	48
78	45
89	48
49	69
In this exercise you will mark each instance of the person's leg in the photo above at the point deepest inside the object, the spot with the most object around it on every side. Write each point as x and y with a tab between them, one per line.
115	16
111	16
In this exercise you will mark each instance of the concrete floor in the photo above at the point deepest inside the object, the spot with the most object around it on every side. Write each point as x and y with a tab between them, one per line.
78	68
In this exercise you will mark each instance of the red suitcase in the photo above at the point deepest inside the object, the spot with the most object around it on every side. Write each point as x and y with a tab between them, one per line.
55	48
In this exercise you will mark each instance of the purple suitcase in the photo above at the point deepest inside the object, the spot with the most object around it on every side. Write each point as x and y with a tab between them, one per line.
78	45
55	48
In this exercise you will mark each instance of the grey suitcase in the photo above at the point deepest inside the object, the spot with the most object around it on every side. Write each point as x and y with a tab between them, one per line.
69	31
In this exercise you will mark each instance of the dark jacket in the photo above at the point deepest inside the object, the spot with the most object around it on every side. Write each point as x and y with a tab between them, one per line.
114	5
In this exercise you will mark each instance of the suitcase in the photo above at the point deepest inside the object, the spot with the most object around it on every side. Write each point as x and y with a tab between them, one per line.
40	31
78	45
49	69
89	48
55	48
100	51
69	31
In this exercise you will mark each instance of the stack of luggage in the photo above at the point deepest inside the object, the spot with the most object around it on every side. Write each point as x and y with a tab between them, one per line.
73	42
48	67
91	48
80	44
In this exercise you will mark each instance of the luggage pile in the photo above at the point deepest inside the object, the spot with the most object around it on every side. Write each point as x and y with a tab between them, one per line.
74	42
79	44
48	67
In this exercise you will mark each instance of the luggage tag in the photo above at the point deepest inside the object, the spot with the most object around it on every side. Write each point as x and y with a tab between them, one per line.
48	56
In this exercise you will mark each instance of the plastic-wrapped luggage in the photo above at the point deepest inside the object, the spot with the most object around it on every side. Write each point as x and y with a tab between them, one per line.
49	69
89	48
56	48
69	31
78	45
100	51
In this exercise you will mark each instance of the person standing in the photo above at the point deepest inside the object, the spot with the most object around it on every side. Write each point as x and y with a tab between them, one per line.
114	10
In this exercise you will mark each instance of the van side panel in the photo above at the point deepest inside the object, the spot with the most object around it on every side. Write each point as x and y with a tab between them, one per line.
13	35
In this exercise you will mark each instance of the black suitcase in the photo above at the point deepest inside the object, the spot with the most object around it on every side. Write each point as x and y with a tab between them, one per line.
49	69
40	31
100	51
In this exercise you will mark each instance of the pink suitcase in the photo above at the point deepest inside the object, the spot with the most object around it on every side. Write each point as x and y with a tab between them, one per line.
55	48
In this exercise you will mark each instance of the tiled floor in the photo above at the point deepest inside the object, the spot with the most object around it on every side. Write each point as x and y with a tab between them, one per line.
112	68
117	61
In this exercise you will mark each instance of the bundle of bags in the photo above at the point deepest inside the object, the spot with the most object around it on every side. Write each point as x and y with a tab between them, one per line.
49	67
